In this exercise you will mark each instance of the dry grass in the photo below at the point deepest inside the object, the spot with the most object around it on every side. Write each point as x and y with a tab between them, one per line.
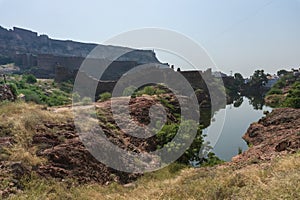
20	120
279	179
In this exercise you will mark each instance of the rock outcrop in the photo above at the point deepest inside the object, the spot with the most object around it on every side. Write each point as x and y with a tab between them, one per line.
68	158
276	134
6	93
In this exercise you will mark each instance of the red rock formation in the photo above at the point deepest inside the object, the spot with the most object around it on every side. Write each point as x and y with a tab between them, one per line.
276	134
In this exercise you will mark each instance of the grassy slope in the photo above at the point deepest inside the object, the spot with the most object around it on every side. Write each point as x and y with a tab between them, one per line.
19	120
276	180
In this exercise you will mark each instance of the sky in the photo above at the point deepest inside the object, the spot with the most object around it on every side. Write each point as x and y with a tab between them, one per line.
239	35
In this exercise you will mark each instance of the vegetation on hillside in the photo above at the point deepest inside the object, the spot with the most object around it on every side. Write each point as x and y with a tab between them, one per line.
286	92
45	92
166	133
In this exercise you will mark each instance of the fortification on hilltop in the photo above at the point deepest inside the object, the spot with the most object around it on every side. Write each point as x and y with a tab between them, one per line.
49	58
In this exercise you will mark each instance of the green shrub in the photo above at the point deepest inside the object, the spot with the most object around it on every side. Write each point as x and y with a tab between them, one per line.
57	100
149	90
86	100
274	91
66	86
76	97
129	91
105	96
212	160
31	79
30	96
293	98
293	102
168	132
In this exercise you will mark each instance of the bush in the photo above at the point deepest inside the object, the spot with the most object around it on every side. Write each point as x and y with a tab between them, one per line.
57	100
105	96
274	91
129	91
31	96
76	97
168	132
293	102
31	79
150	90
293	98
86	100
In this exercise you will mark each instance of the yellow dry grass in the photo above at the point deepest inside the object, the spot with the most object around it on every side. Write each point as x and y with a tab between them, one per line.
20	120
279	179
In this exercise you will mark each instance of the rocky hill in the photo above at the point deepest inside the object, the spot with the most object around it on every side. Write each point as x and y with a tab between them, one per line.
22	41
42	55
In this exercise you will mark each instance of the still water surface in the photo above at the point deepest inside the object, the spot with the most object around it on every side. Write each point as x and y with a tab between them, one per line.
232	123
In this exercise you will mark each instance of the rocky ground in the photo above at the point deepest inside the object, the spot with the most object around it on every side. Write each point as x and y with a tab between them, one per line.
274	135
64	157
6	93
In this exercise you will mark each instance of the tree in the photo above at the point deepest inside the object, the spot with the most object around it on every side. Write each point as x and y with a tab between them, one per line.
259	78
239	79
282	72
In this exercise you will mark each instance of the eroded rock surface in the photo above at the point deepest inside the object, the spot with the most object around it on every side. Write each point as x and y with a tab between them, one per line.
276	134
67	157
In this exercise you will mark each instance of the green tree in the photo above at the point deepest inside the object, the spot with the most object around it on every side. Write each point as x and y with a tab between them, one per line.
239	79
168	132
258	79
282	72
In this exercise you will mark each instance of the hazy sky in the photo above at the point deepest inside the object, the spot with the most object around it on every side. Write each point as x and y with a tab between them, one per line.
239	35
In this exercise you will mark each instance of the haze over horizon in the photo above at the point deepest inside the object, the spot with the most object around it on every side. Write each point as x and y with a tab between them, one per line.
240	36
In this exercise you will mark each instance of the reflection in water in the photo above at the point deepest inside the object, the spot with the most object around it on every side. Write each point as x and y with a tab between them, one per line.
238	117
257	102
238	102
